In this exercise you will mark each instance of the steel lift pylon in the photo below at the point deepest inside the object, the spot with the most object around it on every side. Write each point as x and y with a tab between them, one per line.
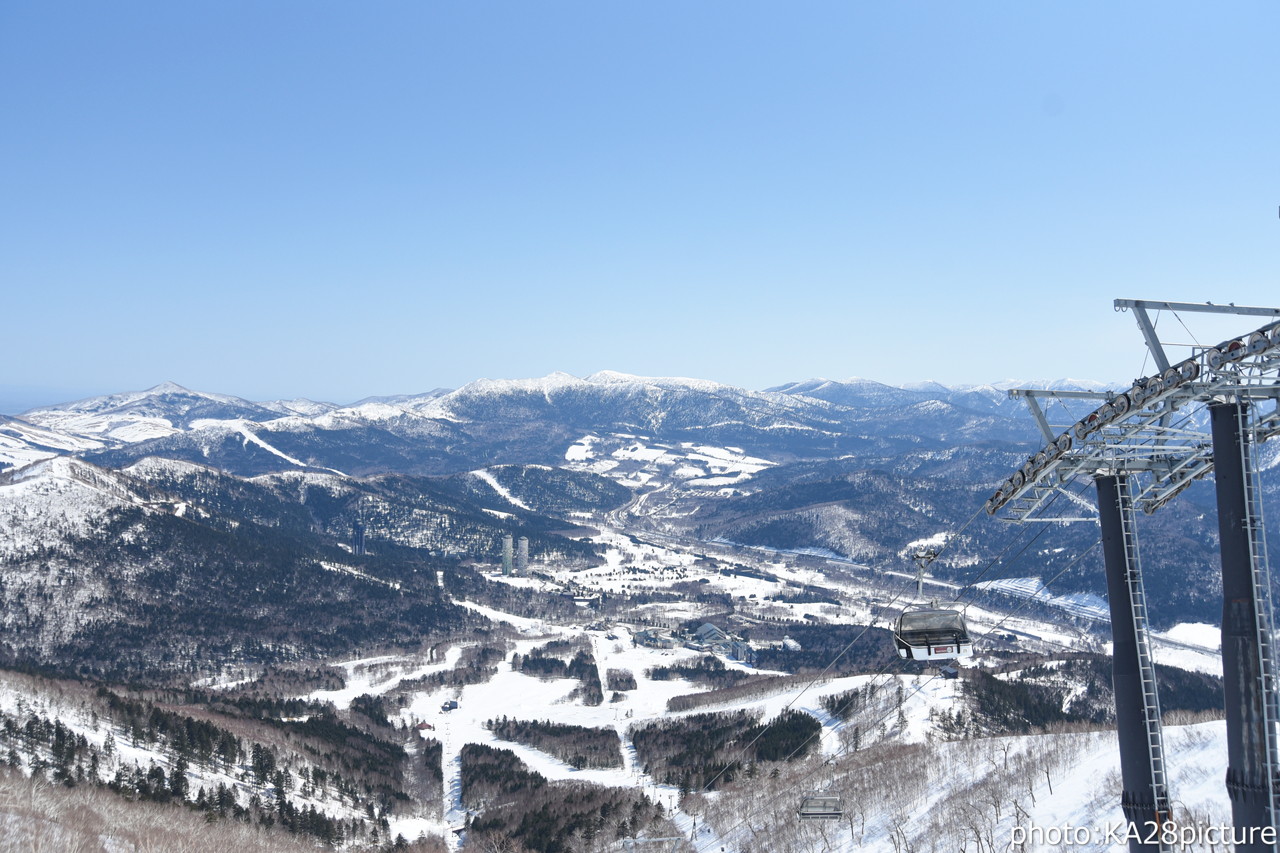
1142	449
1145	796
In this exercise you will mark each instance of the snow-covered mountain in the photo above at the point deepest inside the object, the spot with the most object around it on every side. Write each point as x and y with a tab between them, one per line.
59	499
520	421
987	398
23	442
857	467
165	409
209	544
136	416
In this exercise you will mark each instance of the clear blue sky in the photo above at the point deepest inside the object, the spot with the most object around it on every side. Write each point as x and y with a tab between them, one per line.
334	199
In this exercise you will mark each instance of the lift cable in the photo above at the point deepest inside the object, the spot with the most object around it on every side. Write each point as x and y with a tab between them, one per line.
1189	332
1026	603
884	668
871	624
1000	624
799	785
971	584
1000	557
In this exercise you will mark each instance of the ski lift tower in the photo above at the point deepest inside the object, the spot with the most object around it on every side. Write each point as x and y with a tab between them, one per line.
922	559
1143	446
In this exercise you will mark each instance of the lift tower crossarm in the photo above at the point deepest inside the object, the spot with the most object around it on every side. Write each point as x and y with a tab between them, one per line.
1142	306
1201	307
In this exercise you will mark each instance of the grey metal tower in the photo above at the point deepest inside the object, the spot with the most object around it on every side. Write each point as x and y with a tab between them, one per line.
1248	658
1145	796
1142	435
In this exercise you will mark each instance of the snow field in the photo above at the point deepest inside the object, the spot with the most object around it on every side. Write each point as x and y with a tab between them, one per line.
514	694
502	490
965	795
638	461
22	443
122	427
1196	634
377	675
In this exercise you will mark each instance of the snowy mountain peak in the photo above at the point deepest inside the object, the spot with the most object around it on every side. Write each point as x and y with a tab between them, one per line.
162	410
167	387
614	377
543	384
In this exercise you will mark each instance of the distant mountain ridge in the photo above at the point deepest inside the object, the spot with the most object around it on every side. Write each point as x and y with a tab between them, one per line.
855	468
163	409
981	397
519	420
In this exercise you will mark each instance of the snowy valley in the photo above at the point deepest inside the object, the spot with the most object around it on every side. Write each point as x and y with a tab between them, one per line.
296	617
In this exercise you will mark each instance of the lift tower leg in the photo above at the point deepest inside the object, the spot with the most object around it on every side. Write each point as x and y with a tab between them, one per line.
1145	799
1248	664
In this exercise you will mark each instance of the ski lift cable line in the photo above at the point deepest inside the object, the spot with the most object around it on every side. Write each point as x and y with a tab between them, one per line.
876	617
995	560
1000	557
953	536
1026	602
802	783
870	624
1188	331
821	675
996	627
1044	588
1043	529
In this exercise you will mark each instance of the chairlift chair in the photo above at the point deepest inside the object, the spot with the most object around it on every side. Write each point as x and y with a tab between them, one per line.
934	634
819	806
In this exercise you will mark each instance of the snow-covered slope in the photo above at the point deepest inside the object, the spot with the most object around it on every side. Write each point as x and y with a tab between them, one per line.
23	442
139	415
57	499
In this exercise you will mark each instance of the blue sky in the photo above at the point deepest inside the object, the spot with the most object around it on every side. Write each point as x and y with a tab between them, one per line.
334	200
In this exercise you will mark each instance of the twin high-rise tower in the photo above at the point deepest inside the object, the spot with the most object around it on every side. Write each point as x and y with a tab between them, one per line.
521	557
